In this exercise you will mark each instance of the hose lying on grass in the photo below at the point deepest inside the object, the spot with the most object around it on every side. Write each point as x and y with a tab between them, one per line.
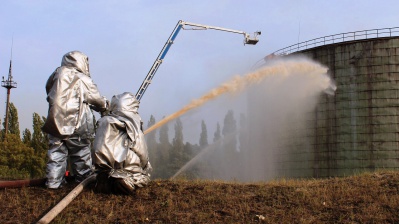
22	183
65	201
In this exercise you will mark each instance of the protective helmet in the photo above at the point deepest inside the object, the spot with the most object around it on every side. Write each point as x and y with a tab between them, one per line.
77	60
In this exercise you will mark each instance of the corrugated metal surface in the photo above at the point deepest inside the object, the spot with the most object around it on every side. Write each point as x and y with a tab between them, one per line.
357	129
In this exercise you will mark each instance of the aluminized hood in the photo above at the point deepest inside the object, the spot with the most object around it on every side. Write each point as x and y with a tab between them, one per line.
120	144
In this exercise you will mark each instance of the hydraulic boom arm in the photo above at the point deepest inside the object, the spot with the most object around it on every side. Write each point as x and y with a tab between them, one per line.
181	25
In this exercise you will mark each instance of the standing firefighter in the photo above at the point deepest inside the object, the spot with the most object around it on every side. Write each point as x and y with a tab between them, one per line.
71	95
120	150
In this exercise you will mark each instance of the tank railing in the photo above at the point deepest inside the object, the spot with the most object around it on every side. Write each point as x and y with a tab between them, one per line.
338	38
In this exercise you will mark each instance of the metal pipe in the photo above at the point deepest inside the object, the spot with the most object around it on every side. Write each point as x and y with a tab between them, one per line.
213	27
22	183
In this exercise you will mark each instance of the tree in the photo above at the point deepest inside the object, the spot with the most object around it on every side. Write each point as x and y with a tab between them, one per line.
230	153
192	171
178	139
39	138
164	135
177	156
217	136
13	123
229	130
203	142
152	143
26	137
18	160
163	149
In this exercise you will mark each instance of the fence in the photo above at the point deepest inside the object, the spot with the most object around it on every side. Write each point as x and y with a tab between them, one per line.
337	38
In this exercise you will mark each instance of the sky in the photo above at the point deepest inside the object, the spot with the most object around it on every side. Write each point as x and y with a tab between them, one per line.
123	38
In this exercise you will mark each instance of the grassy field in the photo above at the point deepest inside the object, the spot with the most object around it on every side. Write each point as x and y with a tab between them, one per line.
365	198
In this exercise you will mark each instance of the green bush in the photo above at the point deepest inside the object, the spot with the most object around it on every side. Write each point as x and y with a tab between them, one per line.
19	160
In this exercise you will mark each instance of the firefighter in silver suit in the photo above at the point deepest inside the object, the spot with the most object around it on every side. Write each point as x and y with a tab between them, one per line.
71	94
120	151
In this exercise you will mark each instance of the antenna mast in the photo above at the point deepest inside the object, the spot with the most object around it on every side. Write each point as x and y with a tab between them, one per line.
8	84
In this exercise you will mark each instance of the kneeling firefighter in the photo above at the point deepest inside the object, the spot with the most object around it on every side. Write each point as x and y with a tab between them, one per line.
120	151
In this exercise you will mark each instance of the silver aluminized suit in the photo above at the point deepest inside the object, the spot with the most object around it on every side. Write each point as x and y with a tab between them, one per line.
120	151
71	94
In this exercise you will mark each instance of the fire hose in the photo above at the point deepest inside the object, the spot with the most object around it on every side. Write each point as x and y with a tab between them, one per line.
66	200
21	183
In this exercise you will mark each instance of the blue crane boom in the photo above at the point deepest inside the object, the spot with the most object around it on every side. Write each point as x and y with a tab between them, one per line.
181	25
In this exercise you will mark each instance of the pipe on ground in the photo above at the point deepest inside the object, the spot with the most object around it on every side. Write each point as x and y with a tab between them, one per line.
65	201
22	183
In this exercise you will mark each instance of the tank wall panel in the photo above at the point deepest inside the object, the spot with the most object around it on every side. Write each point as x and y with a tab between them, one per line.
357	129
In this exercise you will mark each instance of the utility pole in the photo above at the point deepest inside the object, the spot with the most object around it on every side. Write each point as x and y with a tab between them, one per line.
8	84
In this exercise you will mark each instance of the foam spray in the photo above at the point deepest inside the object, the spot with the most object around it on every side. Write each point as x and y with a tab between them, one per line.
239	83
302	79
